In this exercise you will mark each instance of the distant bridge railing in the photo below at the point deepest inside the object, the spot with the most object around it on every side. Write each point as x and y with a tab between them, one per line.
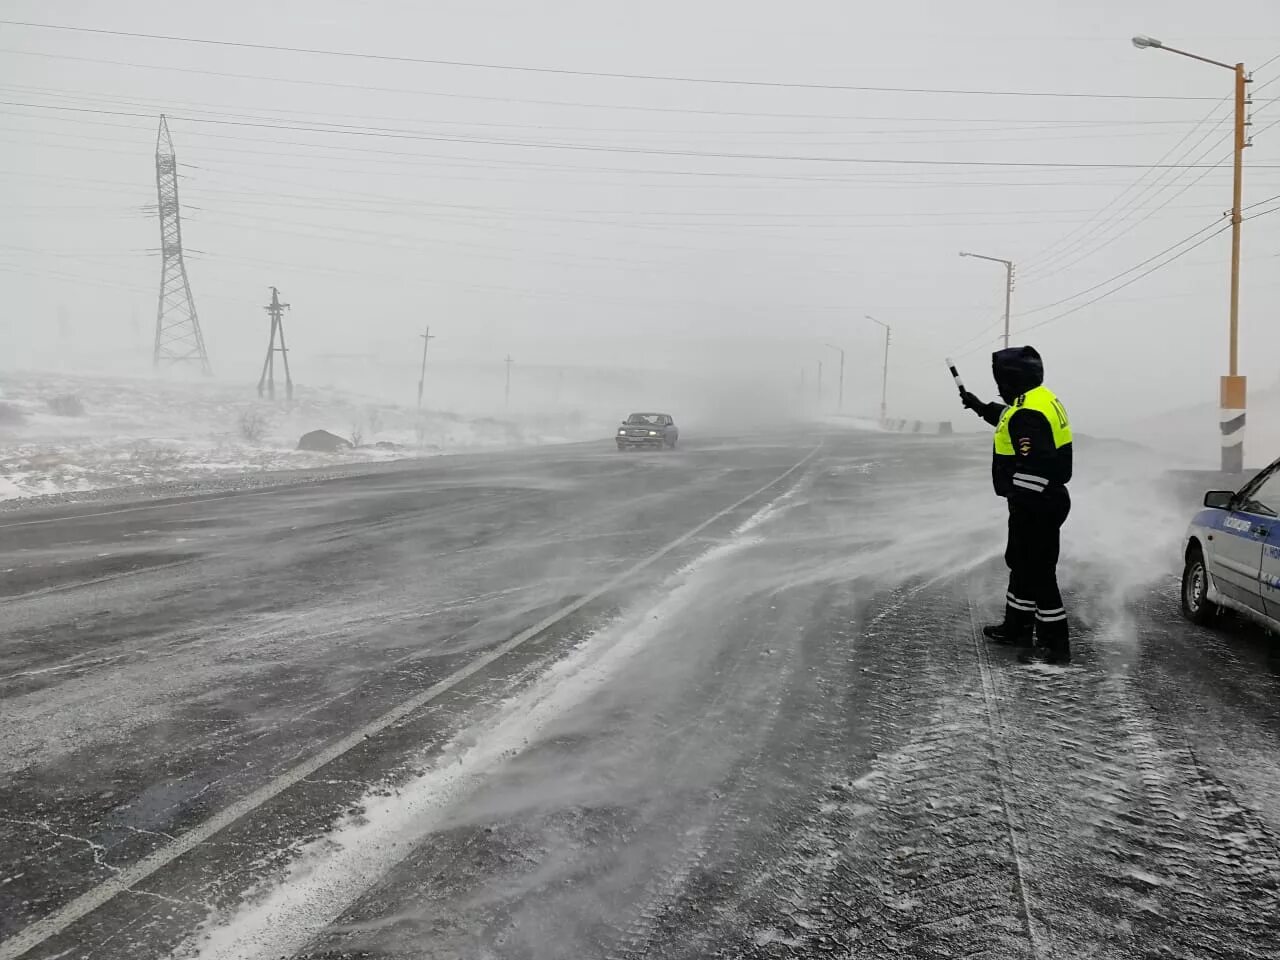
928	427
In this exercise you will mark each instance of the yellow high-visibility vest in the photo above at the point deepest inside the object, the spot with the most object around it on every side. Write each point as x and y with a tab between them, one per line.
1042	400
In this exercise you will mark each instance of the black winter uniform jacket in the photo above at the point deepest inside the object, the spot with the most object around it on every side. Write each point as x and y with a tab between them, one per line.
1017	370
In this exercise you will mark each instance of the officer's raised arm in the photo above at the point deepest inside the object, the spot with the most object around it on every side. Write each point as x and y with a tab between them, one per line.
989	412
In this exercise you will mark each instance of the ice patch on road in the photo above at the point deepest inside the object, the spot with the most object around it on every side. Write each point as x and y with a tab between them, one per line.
332	871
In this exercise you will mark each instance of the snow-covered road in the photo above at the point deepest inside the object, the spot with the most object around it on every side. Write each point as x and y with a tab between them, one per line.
565	703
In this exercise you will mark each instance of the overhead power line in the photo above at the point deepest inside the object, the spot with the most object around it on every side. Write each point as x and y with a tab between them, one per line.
960	351
1169	257
561	71
1127	283
1259	203
1022	132
1073	242
576	104
1122	216
1075	238
416	157
350	130
1123	273
1042	273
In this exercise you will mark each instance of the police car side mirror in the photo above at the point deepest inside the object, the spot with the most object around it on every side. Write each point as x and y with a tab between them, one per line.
1219	499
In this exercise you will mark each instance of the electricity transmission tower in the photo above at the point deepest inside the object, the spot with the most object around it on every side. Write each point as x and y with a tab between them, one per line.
178	337
267	382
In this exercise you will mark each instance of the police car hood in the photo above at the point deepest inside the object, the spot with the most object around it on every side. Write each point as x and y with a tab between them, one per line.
1016	370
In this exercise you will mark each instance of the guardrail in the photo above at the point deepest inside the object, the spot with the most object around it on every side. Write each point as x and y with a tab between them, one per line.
927	427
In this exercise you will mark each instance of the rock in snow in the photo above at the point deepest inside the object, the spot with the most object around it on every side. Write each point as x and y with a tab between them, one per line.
67	405
322	441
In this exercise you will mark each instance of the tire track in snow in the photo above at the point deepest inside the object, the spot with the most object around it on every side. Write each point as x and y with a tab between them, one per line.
660	895
942	847
889	858
913	867
1137	850
1012	817
788	908
769	796
638	935
1011	811
774	776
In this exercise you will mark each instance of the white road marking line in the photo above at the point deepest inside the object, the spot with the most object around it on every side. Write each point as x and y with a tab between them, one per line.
160	505
62	918
69	665
78	584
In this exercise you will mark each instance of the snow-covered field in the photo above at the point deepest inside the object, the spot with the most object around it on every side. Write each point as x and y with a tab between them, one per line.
144	430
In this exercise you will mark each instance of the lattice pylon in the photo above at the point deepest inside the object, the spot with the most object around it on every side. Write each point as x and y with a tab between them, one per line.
178	336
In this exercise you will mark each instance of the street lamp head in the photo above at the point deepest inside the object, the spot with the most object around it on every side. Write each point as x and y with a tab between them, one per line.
1142	43
965	254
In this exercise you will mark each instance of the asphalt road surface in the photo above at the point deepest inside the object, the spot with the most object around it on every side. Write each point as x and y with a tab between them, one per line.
726	701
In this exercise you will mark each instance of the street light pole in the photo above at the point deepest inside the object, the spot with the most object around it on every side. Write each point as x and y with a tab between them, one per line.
1008	286
884	375
840	395
1232	392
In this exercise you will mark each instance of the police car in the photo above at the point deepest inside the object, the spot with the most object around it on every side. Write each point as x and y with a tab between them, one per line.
1232	553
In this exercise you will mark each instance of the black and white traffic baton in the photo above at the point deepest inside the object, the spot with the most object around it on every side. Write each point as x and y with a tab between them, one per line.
955	375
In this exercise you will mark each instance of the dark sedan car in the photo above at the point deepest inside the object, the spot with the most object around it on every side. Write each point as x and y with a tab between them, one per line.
656	430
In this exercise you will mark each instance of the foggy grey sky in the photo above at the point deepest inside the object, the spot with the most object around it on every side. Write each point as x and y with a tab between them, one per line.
600	231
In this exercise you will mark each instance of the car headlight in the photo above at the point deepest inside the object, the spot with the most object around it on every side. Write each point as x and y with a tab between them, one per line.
622	433
653	433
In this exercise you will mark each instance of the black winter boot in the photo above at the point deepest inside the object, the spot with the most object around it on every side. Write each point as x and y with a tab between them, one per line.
1046	655
1007	636
1053	639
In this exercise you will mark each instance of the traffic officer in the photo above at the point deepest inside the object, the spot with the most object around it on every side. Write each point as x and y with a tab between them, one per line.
1030	469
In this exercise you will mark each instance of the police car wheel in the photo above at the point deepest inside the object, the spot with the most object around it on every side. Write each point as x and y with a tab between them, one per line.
1196	605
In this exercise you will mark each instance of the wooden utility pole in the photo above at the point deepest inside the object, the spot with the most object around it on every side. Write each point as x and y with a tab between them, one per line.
840	394
426	339
1232	399
267	382
884	374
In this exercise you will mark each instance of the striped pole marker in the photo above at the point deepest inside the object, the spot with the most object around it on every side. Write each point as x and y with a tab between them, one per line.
1231	421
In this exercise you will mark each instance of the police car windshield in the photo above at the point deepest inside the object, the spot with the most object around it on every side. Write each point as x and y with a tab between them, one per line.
1265	500
645	419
